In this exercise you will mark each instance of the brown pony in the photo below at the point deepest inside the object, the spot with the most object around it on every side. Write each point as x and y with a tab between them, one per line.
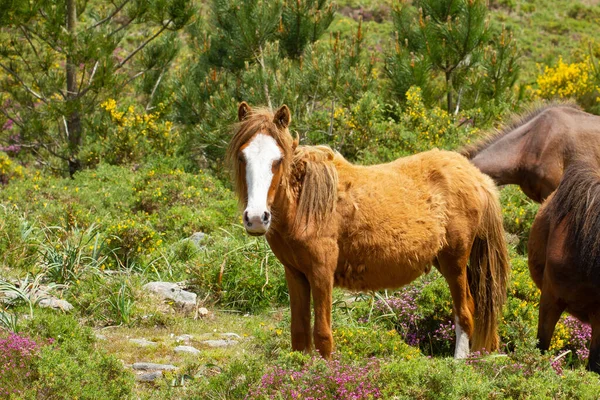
564	255
331	223
533	151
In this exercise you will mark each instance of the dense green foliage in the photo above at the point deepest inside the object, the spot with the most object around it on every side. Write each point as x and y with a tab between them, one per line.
147	177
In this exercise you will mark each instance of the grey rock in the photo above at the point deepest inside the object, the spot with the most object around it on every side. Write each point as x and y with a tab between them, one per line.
57	304
197	238
143	342
9	297
172	291
203	311
184	338
144	366
187	349
219	343
100	336
149	376
512	239
230	335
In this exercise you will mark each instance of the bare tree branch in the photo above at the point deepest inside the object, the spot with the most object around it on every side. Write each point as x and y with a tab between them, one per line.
148	108
125	25
17	77
13	119
29	40
53	46
109	17
89	86
141	46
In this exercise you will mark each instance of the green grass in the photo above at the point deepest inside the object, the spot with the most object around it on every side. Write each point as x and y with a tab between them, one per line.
111	229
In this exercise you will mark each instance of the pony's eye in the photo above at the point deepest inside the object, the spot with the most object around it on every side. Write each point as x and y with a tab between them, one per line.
276	163
241	158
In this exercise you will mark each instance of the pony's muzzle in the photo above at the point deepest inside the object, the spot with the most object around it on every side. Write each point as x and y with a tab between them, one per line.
257	223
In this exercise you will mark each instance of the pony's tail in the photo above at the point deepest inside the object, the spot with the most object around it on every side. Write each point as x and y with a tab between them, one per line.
488	273
577	202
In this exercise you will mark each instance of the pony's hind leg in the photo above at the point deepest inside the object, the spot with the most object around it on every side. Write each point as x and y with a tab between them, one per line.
454	270
299	290
594	360
551	309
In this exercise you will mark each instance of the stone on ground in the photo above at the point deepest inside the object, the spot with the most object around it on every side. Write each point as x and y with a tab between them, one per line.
145	366
149	376
57	304
230	335
184	338
171	291
187	350
219	343
197	238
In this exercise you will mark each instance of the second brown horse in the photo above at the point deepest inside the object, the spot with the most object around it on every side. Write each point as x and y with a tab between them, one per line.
564	255
534	151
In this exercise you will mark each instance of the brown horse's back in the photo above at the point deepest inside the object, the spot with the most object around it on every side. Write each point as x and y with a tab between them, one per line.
535	151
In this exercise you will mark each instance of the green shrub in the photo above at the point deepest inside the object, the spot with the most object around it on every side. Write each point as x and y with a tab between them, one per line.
242	272
9	170
73	367
518	212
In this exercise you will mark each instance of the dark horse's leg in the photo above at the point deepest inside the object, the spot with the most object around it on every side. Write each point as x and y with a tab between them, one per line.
594	360
299	290
454	270
550	310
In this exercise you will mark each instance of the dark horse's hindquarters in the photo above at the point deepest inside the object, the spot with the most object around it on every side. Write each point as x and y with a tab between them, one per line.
564	255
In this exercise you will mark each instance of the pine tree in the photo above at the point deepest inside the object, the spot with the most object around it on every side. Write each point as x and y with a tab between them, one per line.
302	23
447	40
241	30
60	58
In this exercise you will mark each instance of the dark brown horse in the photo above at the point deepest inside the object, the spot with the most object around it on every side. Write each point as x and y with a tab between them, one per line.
370	227
564	255
533	151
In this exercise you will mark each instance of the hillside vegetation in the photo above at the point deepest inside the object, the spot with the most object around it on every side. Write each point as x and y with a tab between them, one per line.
112	176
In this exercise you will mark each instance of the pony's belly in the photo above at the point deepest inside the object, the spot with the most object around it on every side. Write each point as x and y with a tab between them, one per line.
377	275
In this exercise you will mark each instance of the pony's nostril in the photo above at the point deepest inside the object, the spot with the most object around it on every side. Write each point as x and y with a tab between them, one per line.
246	219
266	217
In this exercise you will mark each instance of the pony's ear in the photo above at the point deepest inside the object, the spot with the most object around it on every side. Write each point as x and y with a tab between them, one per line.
243	110
283	117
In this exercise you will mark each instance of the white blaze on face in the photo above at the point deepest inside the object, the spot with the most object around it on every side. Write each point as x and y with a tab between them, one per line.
259	155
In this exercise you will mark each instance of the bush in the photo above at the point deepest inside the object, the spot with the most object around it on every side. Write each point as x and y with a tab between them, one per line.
321	380
64	364
242	272
17	370
8	169
576	80
421	313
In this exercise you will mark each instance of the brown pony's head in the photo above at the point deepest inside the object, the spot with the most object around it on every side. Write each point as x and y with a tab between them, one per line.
260	155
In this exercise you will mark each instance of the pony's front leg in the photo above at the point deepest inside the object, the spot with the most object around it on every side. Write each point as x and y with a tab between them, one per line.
322	288
550	310
299	290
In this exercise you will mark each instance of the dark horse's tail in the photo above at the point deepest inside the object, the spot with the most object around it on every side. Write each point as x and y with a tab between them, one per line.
488	273
577	200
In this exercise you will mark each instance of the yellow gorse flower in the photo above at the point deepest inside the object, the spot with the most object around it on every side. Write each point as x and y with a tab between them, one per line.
566	80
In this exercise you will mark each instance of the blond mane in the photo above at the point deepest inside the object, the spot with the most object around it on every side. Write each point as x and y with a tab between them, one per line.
317	180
